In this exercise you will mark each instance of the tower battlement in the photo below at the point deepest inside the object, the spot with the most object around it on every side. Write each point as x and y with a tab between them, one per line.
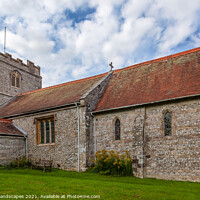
29	67
17	77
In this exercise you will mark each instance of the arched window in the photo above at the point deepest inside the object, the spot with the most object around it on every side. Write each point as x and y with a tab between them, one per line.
117	129
168	123
16	79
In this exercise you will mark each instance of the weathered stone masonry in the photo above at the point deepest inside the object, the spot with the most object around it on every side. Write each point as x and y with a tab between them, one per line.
177	156
132	122
11	148
90	101
31	79
64	152
166	157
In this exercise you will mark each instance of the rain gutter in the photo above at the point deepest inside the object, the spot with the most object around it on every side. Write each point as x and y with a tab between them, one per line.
94	131
7	134
40	110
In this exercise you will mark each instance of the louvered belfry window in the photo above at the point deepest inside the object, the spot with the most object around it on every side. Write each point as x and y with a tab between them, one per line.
46	130
168	123
117	129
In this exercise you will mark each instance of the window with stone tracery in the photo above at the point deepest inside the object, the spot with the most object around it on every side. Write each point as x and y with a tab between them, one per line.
16	79
168	123
117	129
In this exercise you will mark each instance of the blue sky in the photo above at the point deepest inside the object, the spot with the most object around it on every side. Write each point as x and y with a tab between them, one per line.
73	39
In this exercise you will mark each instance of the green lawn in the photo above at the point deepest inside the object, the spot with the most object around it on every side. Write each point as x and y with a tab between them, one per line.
58	182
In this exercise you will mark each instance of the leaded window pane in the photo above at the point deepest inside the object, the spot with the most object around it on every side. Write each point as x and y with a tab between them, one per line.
42	132
168	126
117	129
52	132
13	80
17	82
47	131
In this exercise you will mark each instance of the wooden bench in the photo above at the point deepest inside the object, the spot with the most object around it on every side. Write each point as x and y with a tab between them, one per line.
45	164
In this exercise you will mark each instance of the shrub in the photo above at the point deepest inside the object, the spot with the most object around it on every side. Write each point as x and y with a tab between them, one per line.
21	162
110	162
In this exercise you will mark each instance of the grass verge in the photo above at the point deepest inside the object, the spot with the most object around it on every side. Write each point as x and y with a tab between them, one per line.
58	182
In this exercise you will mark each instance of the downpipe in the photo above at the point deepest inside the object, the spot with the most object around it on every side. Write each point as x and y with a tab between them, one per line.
78	118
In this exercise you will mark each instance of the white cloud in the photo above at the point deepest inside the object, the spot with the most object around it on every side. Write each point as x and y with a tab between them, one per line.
121	31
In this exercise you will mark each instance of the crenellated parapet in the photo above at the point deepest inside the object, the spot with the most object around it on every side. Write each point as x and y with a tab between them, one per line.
17	77
29	66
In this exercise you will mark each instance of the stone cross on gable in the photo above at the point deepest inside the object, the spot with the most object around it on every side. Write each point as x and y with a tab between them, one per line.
111	66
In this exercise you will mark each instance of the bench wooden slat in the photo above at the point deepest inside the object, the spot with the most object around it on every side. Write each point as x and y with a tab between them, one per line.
45	164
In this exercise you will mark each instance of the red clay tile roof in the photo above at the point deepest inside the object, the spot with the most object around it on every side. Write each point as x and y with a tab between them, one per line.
7	128
169	77
49	97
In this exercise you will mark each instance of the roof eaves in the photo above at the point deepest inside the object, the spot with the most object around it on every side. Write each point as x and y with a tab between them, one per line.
8	134
41	110
144	104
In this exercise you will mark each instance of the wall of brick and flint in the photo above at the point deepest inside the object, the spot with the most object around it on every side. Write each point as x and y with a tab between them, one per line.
31	79
11	148
175	157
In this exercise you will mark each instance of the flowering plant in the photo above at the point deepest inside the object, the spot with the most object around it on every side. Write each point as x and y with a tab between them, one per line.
111	162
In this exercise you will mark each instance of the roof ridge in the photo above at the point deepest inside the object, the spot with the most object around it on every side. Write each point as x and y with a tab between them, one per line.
62	84
158	59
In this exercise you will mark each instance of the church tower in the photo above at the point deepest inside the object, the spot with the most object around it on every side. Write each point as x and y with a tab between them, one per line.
17	77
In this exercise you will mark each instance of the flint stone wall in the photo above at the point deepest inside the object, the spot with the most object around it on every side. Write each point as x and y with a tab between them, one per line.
11	148
90	101
64	152
131	124
30	74
175	157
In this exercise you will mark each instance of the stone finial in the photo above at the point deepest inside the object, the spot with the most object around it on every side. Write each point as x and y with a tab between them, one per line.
111	66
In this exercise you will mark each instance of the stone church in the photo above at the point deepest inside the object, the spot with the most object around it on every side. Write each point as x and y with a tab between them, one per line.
151	109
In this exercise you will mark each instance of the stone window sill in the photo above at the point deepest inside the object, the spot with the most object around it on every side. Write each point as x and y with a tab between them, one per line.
50	144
